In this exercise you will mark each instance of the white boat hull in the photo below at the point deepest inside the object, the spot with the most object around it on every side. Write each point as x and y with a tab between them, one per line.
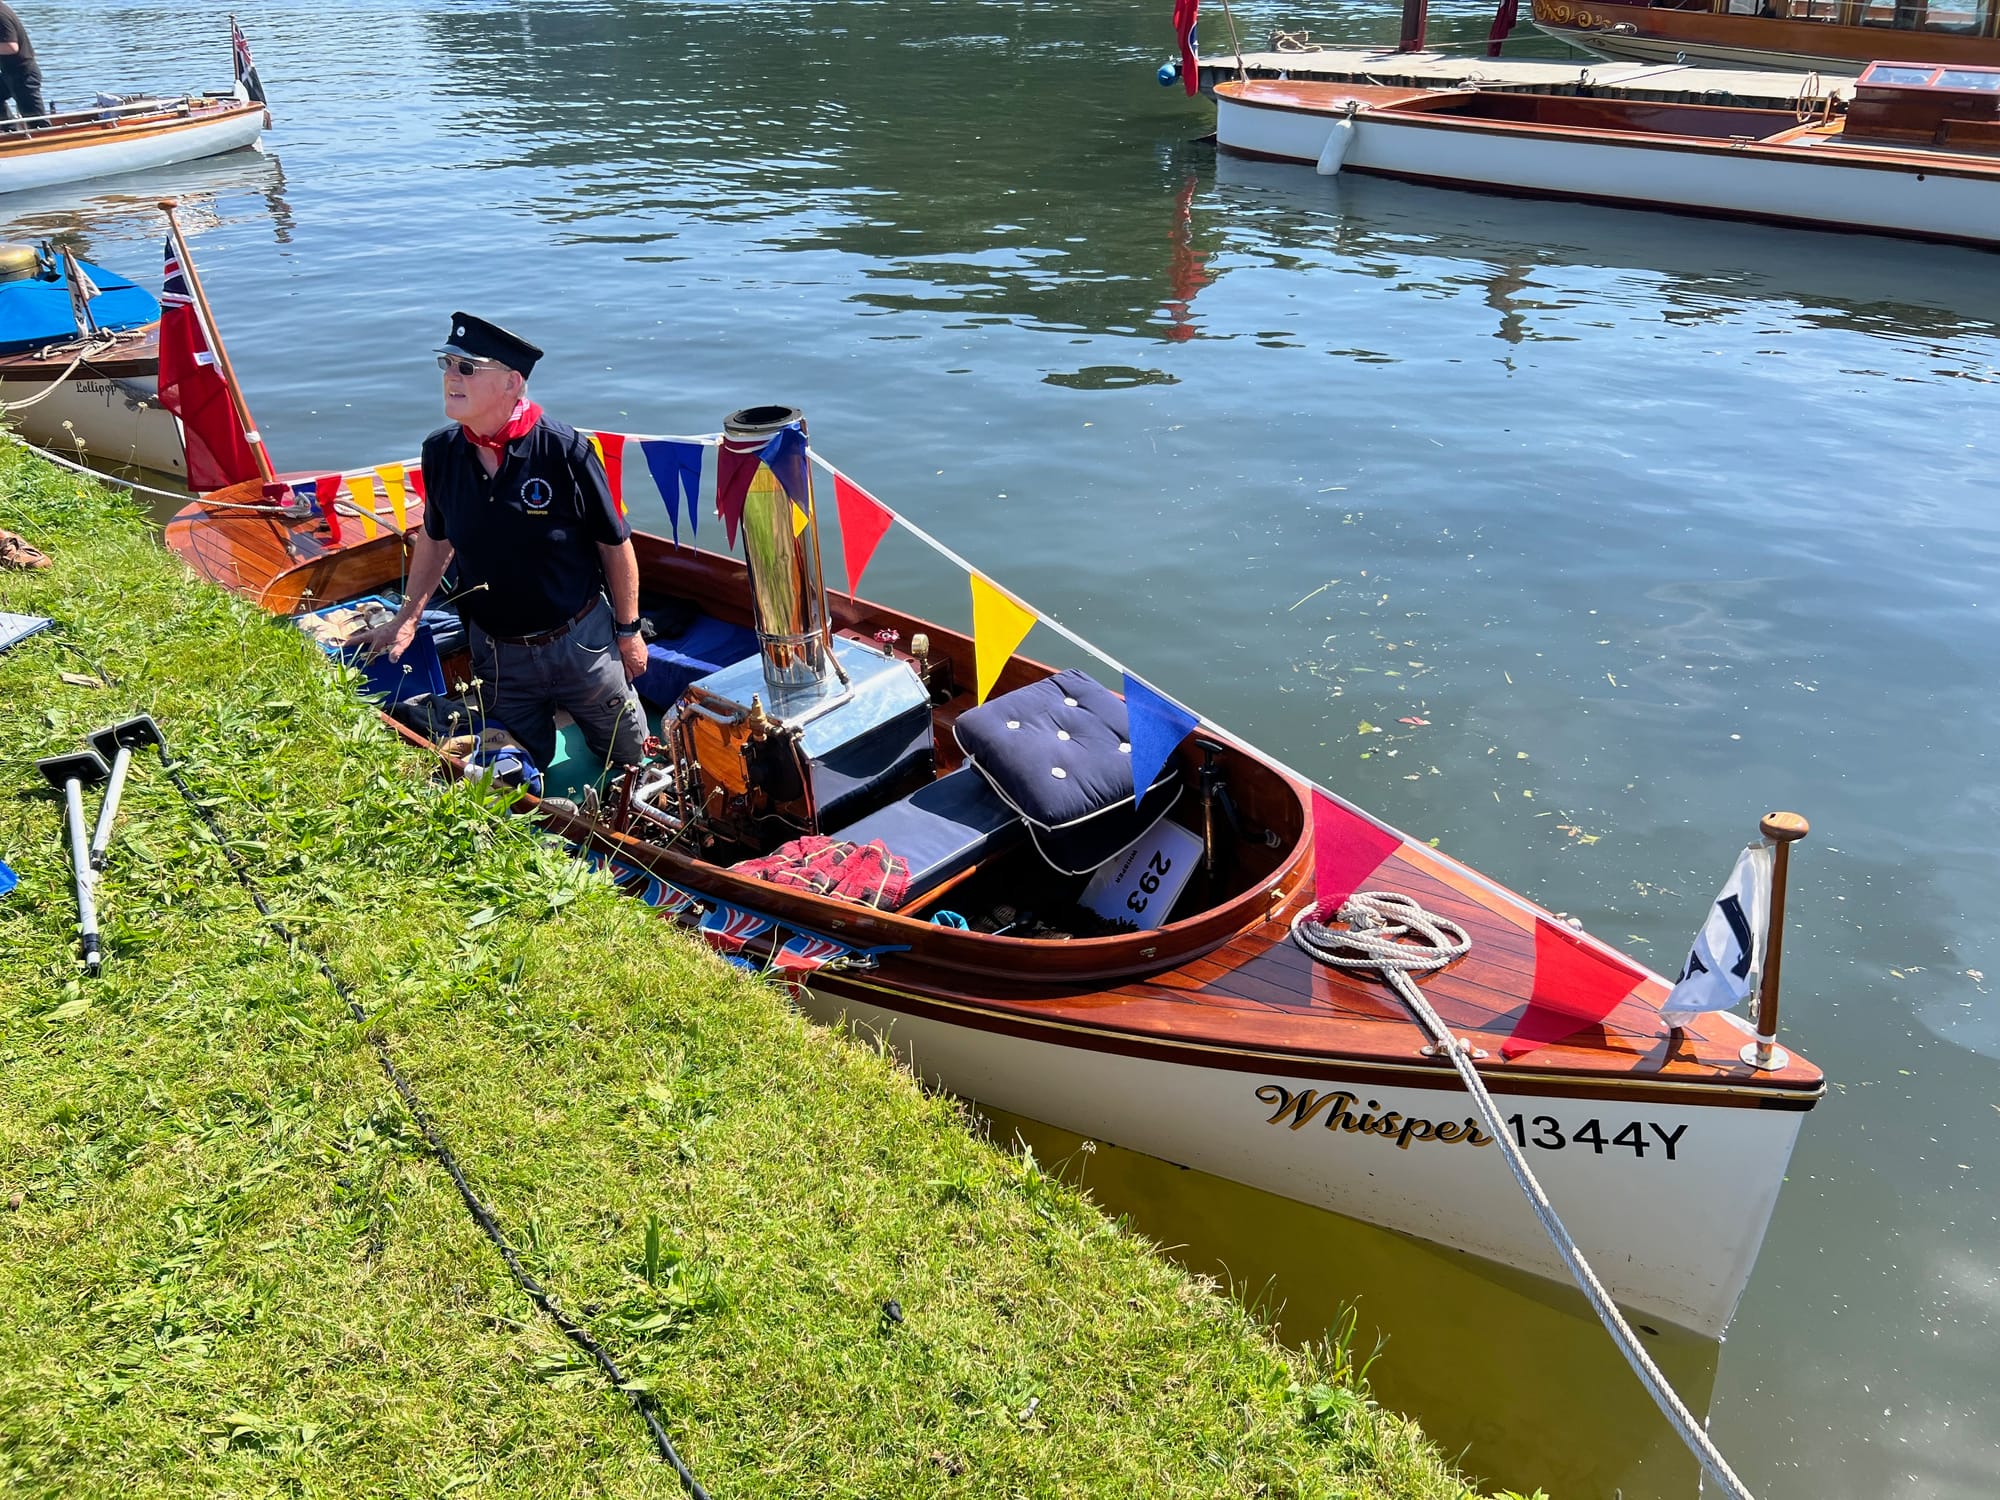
1673	1229
126	149
1821	187
100	421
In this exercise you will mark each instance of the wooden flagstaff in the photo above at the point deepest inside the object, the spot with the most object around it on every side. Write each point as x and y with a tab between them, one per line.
1783	829
272	488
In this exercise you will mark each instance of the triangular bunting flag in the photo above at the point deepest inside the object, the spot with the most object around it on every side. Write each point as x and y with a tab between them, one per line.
413	475
1347	850
734	469
800	520
864	521
611	453
785	457
998	626
391	476
324	489
363	489
1157	725
676	467
1575	986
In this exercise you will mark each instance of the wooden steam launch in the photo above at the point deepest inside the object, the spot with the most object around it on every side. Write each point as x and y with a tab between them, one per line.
1916	152
1201	1033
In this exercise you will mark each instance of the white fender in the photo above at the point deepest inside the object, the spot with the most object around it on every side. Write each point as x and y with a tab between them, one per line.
1335	150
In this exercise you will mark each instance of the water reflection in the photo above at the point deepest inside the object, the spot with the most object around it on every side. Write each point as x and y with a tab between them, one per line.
1514	1371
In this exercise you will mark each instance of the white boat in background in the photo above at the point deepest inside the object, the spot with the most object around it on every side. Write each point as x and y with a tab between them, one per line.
126	137
131	134
1916	153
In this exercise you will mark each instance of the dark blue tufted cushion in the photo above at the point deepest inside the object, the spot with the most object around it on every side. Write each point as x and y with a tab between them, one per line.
1059	752
707	645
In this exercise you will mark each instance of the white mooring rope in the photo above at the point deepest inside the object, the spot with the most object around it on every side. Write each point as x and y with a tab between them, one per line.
1378	923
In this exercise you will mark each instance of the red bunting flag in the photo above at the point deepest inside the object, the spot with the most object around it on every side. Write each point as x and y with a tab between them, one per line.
1347	850
611	448
413	476
1576	985
325	490
734	469
864	521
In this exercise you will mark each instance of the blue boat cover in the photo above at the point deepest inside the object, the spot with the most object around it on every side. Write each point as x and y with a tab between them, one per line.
35	311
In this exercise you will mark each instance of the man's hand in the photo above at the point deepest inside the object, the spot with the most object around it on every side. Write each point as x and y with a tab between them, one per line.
632	651
394	638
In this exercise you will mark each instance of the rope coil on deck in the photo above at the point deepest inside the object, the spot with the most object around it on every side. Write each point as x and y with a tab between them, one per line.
1379	929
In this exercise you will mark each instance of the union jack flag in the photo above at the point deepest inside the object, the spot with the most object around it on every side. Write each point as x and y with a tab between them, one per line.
248	84
728	928
803	955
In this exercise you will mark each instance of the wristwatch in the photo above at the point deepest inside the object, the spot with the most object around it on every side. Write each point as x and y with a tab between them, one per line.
624	630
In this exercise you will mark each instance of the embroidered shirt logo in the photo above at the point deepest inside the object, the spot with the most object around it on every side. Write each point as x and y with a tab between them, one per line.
536	494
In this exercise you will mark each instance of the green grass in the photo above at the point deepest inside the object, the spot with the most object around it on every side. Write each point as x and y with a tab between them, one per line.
230	1266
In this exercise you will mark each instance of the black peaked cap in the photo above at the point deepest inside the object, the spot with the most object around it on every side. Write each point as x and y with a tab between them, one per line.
478	339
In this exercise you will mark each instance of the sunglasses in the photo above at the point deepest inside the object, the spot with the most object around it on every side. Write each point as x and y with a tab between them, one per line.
448	363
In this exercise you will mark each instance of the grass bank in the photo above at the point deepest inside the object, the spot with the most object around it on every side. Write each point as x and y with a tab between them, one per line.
231	1266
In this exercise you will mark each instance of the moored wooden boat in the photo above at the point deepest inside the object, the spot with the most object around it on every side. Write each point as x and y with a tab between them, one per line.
1830	36
1916	154
1209	1039
72	147
86	392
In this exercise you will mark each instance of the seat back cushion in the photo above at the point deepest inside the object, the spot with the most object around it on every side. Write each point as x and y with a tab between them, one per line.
705	645
1059	752
941	829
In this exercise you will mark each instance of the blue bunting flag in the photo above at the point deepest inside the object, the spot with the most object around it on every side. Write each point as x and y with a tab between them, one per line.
1157	725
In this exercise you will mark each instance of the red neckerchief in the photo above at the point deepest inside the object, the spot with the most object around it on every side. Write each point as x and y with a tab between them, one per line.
526	415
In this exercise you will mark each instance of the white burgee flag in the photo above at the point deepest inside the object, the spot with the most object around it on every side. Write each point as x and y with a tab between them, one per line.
81	290
1727	958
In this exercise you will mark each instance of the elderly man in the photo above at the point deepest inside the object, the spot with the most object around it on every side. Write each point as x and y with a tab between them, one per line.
520	502
20	79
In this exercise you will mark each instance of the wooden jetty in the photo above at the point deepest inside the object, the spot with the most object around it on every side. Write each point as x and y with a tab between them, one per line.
1675	83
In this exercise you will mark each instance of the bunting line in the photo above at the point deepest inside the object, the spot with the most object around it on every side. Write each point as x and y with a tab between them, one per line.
1459	872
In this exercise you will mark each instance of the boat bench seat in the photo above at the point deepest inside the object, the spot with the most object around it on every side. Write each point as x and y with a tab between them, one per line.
942	829
705	646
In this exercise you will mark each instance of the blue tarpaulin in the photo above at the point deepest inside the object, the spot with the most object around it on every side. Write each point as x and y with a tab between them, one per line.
36	311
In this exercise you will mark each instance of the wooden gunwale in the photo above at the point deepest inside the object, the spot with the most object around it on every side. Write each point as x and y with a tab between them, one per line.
1224	989
135	356
88	130
1849	155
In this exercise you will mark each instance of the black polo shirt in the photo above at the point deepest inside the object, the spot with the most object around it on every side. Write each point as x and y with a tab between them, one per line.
11	30
530	533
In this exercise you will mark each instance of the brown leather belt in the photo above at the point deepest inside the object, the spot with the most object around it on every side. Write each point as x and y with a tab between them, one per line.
543	637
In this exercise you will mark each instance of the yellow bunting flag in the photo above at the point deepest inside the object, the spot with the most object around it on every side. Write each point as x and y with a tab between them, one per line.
597	447
391	476
361	489
999	625
800	520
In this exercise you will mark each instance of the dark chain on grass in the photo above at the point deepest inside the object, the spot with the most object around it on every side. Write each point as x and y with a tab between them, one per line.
576	1333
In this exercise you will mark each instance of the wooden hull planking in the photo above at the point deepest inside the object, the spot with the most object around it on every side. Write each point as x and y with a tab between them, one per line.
1817	183
73	152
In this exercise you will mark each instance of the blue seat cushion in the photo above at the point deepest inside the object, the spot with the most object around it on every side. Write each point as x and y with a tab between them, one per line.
707	645
942	829
1059	752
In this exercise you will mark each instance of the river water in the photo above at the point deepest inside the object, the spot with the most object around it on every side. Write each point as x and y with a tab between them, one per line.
1659	524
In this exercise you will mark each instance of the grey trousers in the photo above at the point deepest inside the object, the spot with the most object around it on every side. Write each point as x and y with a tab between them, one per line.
580	672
